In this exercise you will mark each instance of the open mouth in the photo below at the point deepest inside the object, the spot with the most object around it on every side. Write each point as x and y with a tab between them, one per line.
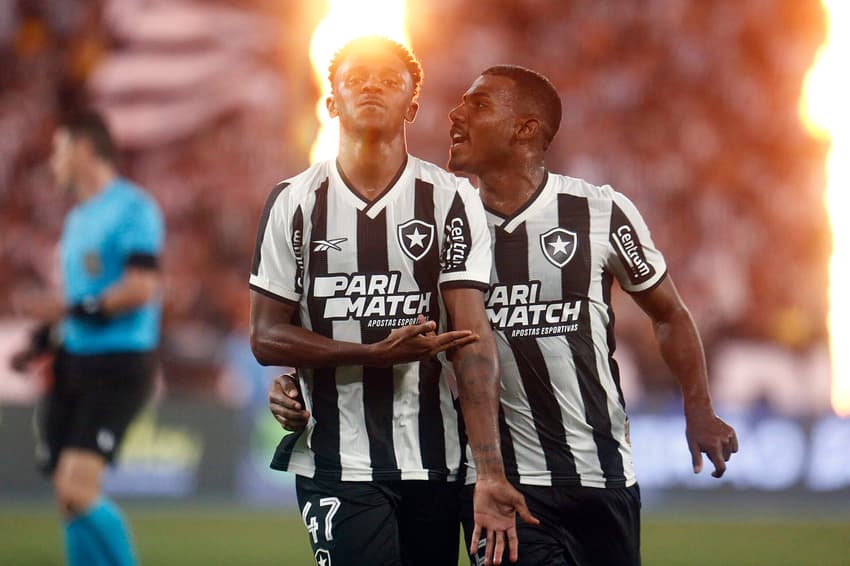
458	137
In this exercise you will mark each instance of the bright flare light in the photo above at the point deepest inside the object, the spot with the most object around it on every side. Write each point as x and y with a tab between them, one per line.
346	20
824	109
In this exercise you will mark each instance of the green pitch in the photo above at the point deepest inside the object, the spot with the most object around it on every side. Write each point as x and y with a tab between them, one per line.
206	536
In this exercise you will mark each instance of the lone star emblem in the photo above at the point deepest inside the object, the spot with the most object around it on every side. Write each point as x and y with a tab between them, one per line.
415	238
558	246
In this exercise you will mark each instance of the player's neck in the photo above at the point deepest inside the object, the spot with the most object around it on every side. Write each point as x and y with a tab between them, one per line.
506	190
95	181
371	165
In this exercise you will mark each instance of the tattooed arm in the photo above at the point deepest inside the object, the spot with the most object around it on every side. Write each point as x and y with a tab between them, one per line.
477	369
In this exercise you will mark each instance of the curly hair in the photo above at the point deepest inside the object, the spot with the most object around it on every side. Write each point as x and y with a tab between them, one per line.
379	43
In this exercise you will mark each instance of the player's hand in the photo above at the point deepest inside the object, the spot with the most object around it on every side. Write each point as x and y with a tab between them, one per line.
286	404
495	506
706	432
418	342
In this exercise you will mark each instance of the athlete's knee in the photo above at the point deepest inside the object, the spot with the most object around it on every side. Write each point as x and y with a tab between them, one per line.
76	484
73	497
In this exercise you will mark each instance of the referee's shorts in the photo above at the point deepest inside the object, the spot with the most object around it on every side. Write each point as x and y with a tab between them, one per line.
380	523
93	400
579	526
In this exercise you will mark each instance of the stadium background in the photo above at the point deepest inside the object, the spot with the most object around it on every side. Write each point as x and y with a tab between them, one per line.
688	107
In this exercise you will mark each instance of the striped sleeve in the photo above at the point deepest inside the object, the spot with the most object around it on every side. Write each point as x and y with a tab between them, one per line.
633	257
276	269
466	257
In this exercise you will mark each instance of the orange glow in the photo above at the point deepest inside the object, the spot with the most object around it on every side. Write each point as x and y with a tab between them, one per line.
344	21
824	110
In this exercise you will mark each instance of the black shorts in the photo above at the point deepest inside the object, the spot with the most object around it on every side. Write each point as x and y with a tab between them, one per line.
398	523
579	526
91	403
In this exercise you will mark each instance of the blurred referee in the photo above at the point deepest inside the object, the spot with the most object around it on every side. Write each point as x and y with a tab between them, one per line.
108	320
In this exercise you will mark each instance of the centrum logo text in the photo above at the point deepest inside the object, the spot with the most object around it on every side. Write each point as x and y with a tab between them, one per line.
631	253
297	242
456	245
373	296
518	311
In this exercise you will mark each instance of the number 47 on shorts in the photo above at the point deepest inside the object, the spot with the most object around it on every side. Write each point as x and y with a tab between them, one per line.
312	522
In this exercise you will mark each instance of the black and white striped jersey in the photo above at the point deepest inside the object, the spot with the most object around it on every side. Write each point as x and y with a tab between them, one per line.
563	419
357	270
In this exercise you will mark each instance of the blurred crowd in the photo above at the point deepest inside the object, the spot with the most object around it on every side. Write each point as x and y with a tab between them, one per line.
689	108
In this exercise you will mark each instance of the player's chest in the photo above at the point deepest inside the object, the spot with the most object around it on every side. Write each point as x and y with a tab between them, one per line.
549	247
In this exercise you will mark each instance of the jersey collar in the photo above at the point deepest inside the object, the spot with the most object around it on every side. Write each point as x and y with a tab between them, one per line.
534	203
374	207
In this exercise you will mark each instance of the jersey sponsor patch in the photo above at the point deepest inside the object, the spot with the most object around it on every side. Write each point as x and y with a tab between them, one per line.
372	296
458	241
415	237
518	311
323	557
628	247
297	241
559	246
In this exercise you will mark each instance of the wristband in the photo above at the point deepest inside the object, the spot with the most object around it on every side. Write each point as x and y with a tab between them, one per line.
41	340
89	309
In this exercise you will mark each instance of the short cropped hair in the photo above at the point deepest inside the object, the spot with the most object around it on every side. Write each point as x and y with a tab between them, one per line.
380	43
91	125
537	91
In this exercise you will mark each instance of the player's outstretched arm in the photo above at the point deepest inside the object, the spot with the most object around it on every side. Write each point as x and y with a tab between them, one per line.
275	340
682	350
495	501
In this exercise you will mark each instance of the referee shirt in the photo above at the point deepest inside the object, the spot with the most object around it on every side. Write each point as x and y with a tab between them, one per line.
356	270
120	226
563	419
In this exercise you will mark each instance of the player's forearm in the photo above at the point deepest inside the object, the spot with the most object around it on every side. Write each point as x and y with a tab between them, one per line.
681	348
290	345
477	371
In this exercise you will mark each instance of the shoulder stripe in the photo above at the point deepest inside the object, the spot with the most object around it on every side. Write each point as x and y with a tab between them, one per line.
627	245
458	238
264	220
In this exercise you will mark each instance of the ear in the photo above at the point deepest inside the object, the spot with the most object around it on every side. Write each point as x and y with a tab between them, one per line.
330	104
410	115
527	129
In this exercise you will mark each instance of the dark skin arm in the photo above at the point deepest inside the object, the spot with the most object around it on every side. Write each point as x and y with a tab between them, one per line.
496	502
276	341
477	369
682	351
